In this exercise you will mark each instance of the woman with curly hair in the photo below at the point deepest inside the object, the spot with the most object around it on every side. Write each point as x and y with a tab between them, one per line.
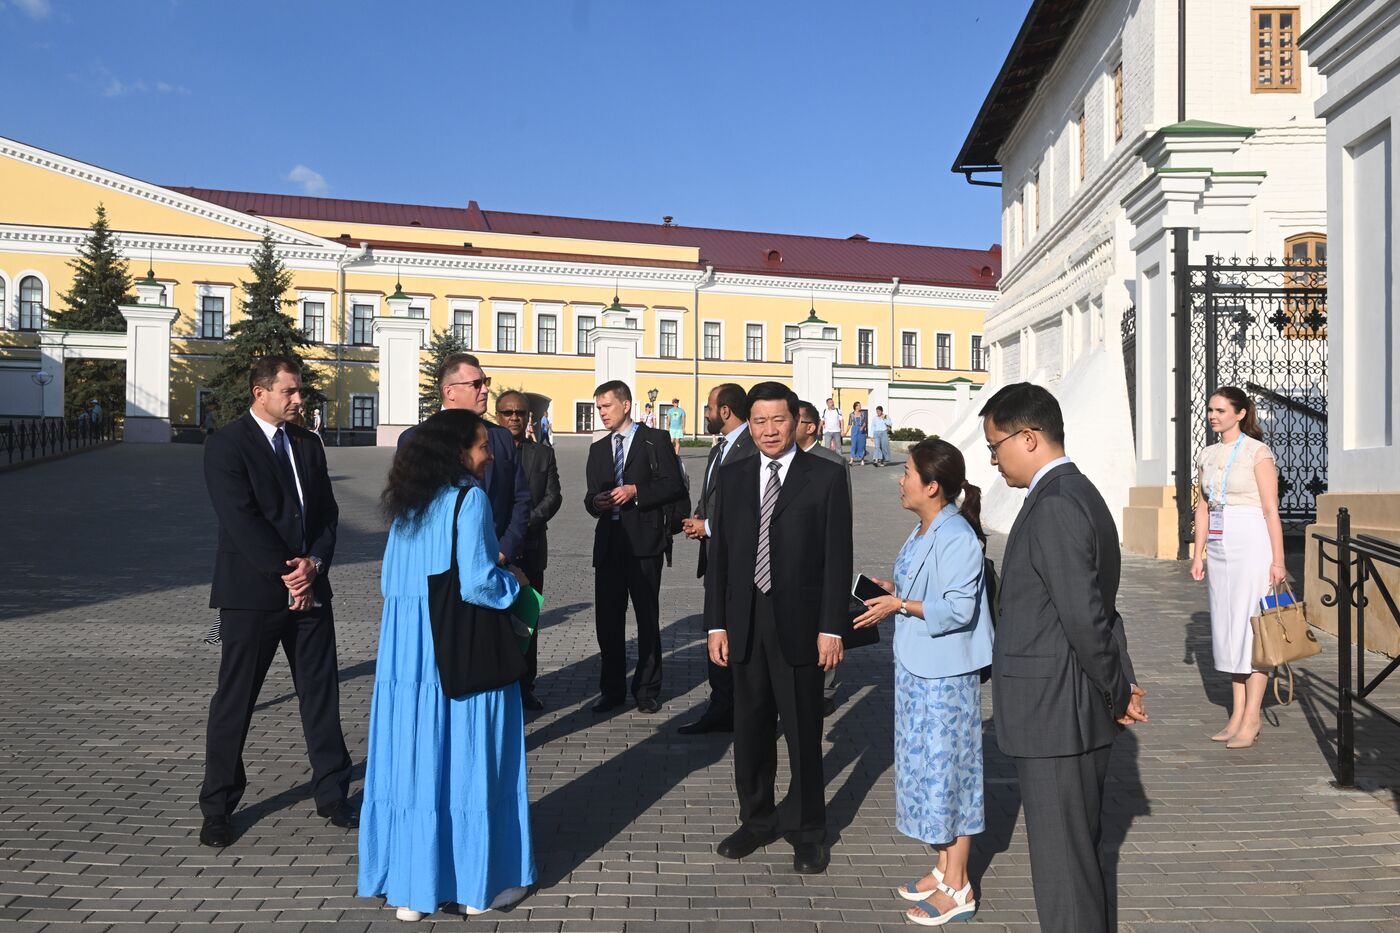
446	818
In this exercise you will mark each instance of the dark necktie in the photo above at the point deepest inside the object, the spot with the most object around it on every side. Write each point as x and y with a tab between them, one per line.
763	572
617	472
714	467
283	453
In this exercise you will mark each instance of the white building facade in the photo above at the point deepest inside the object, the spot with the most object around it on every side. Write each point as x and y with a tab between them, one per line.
1097	166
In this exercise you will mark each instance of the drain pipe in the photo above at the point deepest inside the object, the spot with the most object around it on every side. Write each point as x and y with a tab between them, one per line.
894	290
707	279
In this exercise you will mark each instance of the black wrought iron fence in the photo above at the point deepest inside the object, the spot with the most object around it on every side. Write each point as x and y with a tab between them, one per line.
1130	327
31	438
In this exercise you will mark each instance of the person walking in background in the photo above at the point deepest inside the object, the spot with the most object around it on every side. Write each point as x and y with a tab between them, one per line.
649	417
446	817
529	427
316	424
726	415
1062	683
858	428
630	477
277	517
675	423
542	476
942	641
831	426
776	595
880	431
807	424
1239	540
546	429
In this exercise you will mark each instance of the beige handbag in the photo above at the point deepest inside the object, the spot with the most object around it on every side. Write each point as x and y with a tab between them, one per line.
1282	635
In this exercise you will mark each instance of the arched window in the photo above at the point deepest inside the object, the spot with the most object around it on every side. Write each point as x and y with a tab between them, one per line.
31	303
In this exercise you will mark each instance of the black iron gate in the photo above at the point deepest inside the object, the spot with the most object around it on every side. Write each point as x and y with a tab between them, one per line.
1263	327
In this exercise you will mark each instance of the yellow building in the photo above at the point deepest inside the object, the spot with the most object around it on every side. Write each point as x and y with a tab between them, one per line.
527	292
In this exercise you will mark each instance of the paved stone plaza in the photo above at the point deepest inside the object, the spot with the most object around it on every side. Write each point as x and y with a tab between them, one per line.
105	684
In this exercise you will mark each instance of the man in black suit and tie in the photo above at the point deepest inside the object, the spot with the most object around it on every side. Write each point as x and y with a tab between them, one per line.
777	590
631	473
277	519
726	414
1062	683
542	474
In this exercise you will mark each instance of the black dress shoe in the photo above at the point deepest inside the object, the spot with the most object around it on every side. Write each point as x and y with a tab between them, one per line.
809	858
217	832
649	705
709	722
530	701
607	704
339	814
744	841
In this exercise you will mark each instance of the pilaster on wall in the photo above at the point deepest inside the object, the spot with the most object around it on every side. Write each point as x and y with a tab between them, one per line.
399	341
1372	513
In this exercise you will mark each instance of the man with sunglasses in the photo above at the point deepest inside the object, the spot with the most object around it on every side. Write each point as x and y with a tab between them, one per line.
542	476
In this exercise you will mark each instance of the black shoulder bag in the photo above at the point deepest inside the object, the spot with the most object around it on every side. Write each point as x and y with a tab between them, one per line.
476	647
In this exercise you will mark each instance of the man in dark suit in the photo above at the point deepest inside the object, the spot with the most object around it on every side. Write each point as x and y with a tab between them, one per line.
542	474
463	384
277	520
776	594
631	473
1062	683
726	414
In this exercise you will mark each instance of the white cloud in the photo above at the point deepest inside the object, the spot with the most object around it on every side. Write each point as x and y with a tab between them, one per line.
310	180
113	86
34	9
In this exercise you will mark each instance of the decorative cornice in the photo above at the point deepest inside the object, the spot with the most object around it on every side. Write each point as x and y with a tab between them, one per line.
1093	265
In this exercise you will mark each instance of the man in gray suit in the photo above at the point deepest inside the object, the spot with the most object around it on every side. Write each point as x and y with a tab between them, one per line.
808	435
1062	683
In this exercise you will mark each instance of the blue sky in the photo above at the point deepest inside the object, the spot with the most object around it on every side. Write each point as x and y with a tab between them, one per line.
826	118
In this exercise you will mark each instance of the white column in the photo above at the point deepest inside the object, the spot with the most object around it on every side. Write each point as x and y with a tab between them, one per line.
400	342
615	350
147	373
51	360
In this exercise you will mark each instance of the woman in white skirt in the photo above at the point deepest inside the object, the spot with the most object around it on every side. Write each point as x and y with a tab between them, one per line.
1239	544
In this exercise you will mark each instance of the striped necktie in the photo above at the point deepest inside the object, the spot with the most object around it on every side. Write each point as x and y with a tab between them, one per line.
617	472
763	573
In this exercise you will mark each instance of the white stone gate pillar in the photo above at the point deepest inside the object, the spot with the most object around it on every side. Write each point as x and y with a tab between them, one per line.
400	342
615	350
147	369
813	359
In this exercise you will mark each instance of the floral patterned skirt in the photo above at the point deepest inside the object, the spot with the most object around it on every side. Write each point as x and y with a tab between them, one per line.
938	756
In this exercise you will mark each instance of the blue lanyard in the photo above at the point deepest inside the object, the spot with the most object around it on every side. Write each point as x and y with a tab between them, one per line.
1221	495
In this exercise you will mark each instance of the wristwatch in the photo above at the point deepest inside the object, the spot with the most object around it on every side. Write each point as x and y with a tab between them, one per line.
904	607
316	562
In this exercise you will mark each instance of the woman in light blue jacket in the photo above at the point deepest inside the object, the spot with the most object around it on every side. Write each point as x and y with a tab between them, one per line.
942	640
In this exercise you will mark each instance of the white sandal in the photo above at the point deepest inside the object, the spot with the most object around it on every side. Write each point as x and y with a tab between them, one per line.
408	914
910	889
963	908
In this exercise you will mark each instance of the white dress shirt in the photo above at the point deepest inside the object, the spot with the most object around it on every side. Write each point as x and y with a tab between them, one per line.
730	439
1059	461
270	430
626	441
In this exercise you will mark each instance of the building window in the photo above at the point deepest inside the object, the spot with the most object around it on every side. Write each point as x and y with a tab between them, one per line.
1306	249
670	339
362	325
711	350
31	303
630	323
979	355
1118	102
505	332
547	340
829	333
416	311
753	342
4	308
211	317
909	350
362	411
1083	144
462	327
313	320
943	351
1307	252
865	347
583	417
1035	185
790	332
1275	54
586	324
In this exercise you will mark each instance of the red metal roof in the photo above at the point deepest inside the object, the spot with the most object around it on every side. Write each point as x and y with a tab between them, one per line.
727	250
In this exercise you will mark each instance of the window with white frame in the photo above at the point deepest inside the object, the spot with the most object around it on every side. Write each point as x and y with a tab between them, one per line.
31	303
979	354
212	317
631	323
669	336
583	417
587	323
462	326
711	350
753	341
313	320
361	324
362	411
506	331
547	336
829	333
865	347
909	349
4	306
790	332
943	351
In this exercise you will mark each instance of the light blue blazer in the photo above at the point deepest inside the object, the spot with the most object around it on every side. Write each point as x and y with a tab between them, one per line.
945	571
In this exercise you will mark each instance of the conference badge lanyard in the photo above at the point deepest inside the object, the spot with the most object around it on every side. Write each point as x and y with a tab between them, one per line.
1220	495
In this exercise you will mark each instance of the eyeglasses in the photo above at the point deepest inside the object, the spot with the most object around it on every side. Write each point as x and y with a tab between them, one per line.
512	412
992	448
474	384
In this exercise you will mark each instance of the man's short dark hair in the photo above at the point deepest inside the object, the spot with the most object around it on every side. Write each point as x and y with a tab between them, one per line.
773	392
808	411
507	394
1023	405
732	396
452	361
617	387
264	371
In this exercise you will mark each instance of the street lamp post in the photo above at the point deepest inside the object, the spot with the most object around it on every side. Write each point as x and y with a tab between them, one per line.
42	379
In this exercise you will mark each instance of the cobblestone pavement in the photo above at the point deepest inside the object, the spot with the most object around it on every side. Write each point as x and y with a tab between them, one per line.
105	684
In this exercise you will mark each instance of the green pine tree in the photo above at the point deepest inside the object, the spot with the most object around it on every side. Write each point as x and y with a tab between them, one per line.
101	282
443	345
266	329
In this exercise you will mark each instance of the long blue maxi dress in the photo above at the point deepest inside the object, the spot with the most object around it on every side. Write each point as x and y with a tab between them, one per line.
446	814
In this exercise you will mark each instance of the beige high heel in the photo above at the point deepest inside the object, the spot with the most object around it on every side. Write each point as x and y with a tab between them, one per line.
1224	735
1238	742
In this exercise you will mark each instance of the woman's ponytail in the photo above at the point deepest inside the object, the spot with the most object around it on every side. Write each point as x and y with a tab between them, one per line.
971	509
937	461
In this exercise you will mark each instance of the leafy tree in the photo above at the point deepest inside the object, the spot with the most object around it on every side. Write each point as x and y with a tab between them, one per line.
444	344
266	329
101	282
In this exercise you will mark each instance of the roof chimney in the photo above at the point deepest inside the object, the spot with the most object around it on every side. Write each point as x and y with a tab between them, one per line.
666	221
859	236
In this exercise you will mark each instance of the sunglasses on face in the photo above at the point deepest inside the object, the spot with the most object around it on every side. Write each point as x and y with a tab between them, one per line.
473	384
512	412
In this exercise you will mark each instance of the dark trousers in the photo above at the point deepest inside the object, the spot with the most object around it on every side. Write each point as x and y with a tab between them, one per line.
1063	803
249	640
768	689
532	564
721	689
621	577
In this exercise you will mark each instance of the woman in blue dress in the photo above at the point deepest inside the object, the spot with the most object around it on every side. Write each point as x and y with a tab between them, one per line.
857	423
446	816
942	640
